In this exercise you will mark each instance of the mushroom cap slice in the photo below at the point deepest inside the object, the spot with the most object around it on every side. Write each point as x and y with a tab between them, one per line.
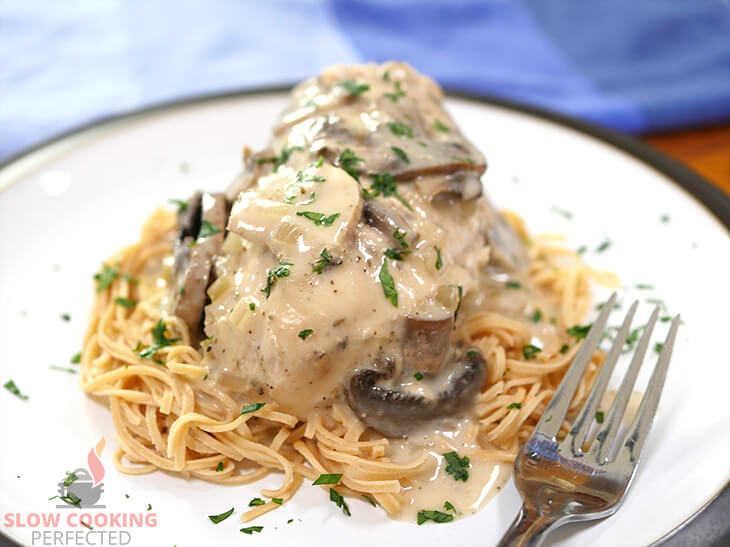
427	342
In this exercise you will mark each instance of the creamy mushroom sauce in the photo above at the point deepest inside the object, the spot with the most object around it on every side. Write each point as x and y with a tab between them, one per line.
282	332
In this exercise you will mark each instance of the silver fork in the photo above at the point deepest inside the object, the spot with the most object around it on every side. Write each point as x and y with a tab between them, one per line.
560	482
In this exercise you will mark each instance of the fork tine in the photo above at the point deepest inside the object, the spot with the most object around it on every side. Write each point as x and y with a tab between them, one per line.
641	425
554	414
607	434
578	432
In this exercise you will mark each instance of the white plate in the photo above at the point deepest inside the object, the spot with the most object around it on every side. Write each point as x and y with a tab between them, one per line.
67	206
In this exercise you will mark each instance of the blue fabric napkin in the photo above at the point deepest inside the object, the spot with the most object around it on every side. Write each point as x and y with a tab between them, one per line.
633	65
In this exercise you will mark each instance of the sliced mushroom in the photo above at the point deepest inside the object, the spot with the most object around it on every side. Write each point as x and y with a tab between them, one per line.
427	341
387	220
394	411
194	258
467	185
506	249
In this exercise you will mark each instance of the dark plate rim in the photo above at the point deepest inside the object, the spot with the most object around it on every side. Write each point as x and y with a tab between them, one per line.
712	198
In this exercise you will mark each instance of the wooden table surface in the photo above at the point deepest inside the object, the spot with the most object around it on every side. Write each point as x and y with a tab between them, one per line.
706	151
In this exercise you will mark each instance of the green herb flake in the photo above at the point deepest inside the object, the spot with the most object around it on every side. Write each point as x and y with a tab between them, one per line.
395	254
512	285
418	376
549	419
278	501
564	348
567	215
472	353
70	478
579	331
435	516
219	468
256	502
386	280
401	154
63	369
439	261
319	218
633	337
400	129
327	478
397	94
449	506
536	317
348	161
658	347
207	229
339	501
400	236
149	507
458	304
215	519
12	388
369	499
65	317
438	126
253	407
290	521
514	405
599	416
105	277
384	184
130	279
644	286
182	206
312	198
281	159
603	246
462	159
664	219
76	358
251	529
353	88
160	340
322	262
70	498
282	270
456	466
125	302
304	333
582	249
530	352
251	306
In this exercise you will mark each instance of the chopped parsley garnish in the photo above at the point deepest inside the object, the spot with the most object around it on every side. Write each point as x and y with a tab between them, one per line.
400	153
282	270
386	185
439	126
514	405
462	159
369	499
644	286
513	285
353	88
63	369
149	507
125	302
207	229
215	519
633	336
327	478
320	264
70	478
256	502
449	506
304	333
339	501
66	317
536	317
319	218
304	176
311	199
398	93
12	388
251	529
395	254
386	76
600	416
160	340
435	516
664	219
251	306
278	501
562	212
399	129
70	498
530	352
564	348
105	277
400	237
253	407
418	376
458	305
219	468
579	331
603	246
472	353
658	347
281	159
665	318
582	249
182	206
457	466
439	261
386	280
348	160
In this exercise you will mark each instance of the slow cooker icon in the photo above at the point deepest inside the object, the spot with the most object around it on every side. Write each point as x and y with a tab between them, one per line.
84	489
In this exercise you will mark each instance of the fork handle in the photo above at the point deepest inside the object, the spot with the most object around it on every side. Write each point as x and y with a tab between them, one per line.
529	528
